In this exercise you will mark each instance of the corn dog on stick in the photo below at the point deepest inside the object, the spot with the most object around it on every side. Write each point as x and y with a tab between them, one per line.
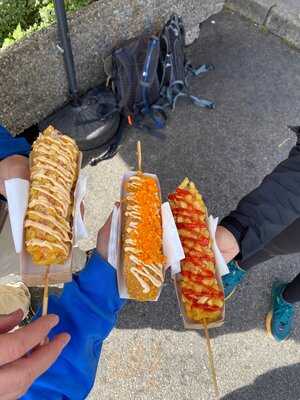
53	174
142	256
202	297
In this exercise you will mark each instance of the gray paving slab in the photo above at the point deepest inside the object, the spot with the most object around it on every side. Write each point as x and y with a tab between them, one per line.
227	152
281	17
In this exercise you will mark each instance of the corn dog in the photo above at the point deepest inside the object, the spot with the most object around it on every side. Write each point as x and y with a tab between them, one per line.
142	255
202	297
53	174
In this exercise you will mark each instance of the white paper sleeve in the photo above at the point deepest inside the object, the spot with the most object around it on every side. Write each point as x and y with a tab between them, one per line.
220	262
80	231
172	247
114	238
17	193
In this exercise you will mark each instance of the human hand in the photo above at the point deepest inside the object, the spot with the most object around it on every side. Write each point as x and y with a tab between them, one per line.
103	236
22	358
13	167
227	243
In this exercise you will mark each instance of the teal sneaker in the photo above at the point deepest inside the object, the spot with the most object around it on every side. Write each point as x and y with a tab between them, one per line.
279	320
231	280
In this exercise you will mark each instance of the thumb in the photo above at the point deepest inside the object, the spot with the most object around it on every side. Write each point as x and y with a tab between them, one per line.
9	321
105	230
104	234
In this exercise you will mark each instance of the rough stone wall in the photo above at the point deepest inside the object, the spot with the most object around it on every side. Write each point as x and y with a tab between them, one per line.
32	76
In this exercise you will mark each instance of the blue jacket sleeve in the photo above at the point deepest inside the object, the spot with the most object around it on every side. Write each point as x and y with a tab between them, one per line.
88	309
10	146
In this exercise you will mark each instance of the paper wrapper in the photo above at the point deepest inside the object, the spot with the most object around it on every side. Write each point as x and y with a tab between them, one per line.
17	193
172	247
17	197
221	269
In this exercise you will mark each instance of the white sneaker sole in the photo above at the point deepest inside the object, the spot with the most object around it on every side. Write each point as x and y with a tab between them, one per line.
268	324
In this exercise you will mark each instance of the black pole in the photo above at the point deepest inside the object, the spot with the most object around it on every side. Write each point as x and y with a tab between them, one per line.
64	37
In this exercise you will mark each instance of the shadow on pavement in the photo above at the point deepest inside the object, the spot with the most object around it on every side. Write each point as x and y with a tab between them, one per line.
281	380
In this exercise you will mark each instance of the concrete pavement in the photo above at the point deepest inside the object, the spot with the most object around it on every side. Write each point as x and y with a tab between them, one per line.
227	151
280	17
149	356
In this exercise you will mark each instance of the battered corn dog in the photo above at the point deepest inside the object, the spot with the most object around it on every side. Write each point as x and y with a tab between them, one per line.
202	297
53	174
142	255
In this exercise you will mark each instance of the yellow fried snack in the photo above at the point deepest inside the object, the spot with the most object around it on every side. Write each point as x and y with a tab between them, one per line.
53	174
142	255
201	295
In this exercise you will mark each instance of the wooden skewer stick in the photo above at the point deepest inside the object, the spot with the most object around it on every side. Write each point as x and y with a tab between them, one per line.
46	291
139	156
211	361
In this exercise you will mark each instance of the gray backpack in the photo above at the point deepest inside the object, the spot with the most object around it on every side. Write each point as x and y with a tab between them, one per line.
174	69
150	73
135	82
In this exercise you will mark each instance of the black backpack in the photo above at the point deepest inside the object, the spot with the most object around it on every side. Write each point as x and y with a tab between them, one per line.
174	69
148	74
133	69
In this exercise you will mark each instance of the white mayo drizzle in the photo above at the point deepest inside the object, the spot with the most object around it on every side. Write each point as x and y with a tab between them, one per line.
65	153
44	149
130	241
69	146
46	161
152	273
45	243
132	250
49	167
55	163
46	229
156	269
64	228
41	201
61	207
142	272
56	184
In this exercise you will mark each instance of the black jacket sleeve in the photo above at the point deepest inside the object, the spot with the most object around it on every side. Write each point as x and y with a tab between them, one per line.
269	209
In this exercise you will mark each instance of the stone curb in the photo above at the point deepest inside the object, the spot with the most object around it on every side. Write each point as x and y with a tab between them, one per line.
32	76
280	19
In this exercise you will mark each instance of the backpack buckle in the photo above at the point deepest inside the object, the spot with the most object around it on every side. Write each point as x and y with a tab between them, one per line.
130	120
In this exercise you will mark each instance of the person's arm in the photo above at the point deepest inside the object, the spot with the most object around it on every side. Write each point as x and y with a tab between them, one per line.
266	211
13	167
13	158
10	146
88	309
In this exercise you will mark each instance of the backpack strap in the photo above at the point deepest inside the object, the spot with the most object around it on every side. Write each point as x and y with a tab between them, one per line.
201	70
155	112
179	89
123	62
112	147
149	70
